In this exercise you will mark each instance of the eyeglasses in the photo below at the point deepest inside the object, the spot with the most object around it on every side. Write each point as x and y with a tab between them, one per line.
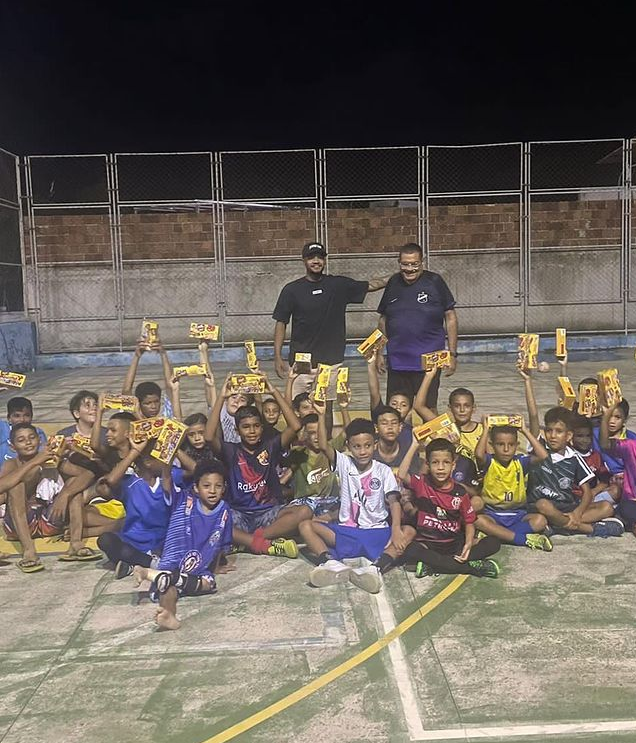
410	265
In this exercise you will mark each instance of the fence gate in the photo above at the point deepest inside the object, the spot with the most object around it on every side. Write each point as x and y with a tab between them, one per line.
71	252
268	208
164	225
576	235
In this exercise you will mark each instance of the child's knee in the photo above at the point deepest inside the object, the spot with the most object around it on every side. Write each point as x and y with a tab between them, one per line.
305	527
478	503
605	510
543	506
537	521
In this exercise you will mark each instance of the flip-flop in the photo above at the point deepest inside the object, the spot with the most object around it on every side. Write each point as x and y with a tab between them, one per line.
83	554
87	554
30	566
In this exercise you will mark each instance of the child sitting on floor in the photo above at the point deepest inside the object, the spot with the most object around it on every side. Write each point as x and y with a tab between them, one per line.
199	534
369	494
443	539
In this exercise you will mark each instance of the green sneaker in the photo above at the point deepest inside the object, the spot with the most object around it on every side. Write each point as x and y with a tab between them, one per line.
283	548
485	568
422	570
538	542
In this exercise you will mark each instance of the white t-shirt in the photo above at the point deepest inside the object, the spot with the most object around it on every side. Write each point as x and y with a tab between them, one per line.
362	495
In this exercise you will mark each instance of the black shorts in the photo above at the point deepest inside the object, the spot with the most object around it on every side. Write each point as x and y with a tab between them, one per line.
409	382
563	506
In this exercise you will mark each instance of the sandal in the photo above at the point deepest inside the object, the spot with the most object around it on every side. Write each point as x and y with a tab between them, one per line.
30	566
83	554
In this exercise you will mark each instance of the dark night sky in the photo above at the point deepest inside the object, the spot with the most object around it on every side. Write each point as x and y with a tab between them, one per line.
141	76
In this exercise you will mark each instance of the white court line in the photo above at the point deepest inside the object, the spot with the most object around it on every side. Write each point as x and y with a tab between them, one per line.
525	731
403	678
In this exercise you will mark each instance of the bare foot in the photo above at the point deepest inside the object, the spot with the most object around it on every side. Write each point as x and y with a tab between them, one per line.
166	620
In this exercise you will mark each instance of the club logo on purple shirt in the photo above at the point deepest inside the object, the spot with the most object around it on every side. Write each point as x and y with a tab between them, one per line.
422	297
191	561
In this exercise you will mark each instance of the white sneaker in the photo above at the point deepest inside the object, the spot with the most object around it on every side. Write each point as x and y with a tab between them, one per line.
329	573
367	578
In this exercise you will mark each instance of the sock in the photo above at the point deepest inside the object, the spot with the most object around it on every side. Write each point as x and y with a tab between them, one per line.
323	557
259	544
384	562
521	532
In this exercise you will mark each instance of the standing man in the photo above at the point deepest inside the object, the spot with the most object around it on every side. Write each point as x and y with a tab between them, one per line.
415	307
316	305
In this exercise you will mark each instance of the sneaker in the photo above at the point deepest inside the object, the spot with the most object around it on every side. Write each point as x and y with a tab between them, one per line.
283	548
329	573
538	542
485	568
367	578
611	527
422	570
123	570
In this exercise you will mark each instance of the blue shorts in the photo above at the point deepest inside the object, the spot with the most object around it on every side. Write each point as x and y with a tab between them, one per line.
352	541
507	519
318	505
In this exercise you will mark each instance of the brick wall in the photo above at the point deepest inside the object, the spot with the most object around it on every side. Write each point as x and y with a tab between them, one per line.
86	237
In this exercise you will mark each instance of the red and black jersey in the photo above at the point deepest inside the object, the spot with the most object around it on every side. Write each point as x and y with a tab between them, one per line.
441	513
595	462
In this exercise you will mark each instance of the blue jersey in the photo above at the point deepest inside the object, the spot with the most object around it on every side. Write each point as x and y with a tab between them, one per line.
6	450
195	538
253	483
147	513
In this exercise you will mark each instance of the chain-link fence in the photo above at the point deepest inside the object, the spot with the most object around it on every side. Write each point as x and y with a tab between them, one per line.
11	278
527	235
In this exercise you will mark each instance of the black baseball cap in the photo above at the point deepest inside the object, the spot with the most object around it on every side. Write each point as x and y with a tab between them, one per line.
314	249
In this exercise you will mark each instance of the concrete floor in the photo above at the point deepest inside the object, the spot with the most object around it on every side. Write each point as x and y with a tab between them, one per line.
550	642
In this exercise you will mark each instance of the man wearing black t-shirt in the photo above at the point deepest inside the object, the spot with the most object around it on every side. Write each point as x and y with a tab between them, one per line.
316	305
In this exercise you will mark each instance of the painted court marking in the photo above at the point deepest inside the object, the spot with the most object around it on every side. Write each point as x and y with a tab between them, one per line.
313	686
524	731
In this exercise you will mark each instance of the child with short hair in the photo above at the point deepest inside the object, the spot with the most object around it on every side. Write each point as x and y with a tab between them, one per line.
369	495
199	534
500	507
146	496
461	406
261	520
149	393
30	511
443	540
626	450
314	483
389	448
551	484
302	405
19	410
583	443
398	399
271	417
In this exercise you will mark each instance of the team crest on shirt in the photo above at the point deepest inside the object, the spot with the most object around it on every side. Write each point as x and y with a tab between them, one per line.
263	458
456	502
374	483
215	536
565	483
191	561
422	297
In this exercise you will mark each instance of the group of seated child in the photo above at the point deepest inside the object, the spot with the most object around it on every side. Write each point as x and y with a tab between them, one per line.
263	475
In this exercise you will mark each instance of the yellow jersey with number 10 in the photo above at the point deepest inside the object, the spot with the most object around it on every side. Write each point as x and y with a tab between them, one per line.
504	487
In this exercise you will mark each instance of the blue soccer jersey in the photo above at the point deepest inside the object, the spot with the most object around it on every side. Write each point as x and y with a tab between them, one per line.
253	483
147	513
195	538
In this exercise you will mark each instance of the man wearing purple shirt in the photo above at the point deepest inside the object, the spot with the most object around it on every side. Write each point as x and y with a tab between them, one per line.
417	314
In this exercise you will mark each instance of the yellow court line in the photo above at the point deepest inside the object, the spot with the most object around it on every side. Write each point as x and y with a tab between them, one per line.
313	686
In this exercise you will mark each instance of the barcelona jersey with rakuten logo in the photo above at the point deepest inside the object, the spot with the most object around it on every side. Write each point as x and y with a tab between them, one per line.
253	483
441	513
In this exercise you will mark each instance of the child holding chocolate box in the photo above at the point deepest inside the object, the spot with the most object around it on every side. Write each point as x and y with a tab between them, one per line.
261	519
461	405
149	393
617	427
147	497
501	504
